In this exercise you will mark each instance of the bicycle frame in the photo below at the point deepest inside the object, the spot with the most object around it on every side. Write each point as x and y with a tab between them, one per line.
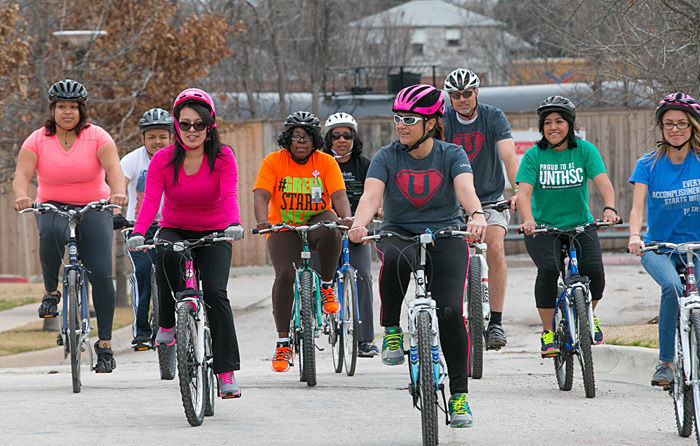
316	285
75	265
343	266
569	280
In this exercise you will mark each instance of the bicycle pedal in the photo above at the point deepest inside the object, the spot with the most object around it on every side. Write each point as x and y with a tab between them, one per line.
48	316
141	348
664	385
550	355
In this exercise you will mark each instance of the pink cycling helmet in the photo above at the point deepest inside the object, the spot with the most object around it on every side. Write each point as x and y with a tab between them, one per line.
678	101
195	94
421	99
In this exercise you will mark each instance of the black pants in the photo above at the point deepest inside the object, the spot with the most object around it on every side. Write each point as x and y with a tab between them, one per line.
213	263
94	234
545	251
446	271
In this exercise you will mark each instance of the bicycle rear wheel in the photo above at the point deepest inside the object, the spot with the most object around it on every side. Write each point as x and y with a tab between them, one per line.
564	361
211	390
426	380
155	307
190	372
683	395
335	338
350	324
306	300
475	302
74	326
584	343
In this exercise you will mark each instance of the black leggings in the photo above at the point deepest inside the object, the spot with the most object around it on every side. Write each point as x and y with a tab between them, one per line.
95	250
446	271
545	251
214	265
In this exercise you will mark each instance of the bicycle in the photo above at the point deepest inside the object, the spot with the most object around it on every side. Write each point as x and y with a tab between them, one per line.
572	322
344	325
306	322
193	346
75	316
426	368
476	298
685	388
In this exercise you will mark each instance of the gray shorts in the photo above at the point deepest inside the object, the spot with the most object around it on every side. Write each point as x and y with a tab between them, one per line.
495	218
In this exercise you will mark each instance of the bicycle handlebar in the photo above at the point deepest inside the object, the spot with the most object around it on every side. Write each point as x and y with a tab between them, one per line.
182	245
498	205
596	224
677	247
425	237
303	228
41	208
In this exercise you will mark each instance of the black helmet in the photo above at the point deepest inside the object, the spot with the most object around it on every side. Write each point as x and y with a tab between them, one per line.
156	118
67	90
558	104
302	119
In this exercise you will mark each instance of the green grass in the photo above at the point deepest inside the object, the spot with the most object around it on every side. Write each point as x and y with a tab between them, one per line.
10	304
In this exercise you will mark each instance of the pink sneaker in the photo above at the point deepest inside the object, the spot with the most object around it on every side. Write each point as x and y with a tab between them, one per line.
228	387
165	336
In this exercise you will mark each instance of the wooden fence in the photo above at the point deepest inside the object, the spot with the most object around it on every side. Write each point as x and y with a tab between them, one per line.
622	136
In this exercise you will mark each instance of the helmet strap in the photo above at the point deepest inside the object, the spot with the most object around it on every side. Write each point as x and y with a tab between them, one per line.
678	147
340	157
559	144
471	116
425	137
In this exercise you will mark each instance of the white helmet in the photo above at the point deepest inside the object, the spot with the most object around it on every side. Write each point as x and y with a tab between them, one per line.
461	79
340	120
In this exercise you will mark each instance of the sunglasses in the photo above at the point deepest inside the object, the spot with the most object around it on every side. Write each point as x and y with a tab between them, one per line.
347	136
186	126
407	120
465	94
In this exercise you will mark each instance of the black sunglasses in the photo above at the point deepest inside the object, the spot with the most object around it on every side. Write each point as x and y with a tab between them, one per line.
186	126
347	136
465	94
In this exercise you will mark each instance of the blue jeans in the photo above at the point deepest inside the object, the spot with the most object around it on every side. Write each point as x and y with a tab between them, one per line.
141	263
662	268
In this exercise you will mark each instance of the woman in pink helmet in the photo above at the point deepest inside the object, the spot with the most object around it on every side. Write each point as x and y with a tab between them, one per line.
423	180
199	179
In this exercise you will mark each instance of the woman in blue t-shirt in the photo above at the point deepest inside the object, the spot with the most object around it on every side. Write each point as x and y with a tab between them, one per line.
668	180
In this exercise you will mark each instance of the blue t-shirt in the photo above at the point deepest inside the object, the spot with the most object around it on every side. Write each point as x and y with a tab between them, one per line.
420	193
673	198
479	140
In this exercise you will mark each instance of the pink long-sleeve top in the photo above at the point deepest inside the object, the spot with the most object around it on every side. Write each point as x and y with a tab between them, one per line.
205	200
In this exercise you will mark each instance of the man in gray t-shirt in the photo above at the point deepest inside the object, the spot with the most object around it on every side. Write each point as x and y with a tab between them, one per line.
484	133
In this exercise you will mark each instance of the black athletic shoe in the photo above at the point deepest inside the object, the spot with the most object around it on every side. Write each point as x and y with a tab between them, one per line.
105	359
495	337
141	343
49	305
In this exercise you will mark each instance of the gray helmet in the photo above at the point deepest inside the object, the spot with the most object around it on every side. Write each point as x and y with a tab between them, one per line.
156	118
558	104
67	90
302	119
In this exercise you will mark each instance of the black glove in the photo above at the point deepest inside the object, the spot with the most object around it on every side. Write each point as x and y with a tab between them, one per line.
120	222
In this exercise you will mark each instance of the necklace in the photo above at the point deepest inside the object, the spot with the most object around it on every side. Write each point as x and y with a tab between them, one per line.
65	139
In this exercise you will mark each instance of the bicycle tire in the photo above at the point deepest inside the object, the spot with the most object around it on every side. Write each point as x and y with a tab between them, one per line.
190	372
308	348
683	398
335	339
584	343
74	327
426	380
695	372
212	383
153	318
475	305
351	327
564	361
294	337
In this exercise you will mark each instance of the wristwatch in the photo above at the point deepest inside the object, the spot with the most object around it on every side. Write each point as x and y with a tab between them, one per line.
478	211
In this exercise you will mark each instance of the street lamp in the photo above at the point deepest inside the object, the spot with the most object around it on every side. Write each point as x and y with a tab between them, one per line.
80	40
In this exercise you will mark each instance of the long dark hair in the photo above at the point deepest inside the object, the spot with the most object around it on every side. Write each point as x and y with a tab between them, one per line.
50	123
356	143
570	136
438	130
212	145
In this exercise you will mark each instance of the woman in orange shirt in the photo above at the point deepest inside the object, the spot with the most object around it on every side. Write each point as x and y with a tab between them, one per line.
297	185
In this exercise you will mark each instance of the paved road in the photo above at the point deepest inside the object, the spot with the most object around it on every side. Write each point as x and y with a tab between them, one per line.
516	403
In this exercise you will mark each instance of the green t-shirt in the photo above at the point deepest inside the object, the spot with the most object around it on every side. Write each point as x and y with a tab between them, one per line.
560	183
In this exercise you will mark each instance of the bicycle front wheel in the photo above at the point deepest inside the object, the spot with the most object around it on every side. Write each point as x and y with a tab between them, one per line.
306	298
564	361
350	323
190	371
694	395
475	303
584	343
212	383
155	307
335	338
426	380
74	326
682	393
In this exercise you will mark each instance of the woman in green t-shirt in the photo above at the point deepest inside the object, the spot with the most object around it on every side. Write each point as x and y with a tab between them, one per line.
553	191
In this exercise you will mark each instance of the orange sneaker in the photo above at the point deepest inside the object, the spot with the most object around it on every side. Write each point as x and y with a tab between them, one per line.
283	354
329	299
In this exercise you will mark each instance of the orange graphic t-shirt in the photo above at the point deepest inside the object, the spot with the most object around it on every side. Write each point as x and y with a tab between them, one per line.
298	191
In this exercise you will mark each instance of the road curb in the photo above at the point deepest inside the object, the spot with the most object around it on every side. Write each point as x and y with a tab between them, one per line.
629	364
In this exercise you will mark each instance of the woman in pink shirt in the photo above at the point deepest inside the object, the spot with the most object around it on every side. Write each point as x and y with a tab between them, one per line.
198	179
71	157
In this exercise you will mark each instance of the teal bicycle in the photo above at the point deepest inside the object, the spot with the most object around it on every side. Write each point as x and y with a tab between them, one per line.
306	322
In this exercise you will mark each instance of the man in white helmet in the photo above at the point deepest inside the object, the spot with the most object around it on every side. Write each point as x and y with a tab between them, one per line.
484	132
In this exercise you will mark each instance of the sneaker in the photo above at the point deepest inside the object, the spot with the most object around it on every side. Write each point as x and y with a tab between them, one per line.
367	350
141	343
282	357
228	387
166	336
49	305
663	375
105	359
495	337
460	415
549	345
329	299
392	346
598	338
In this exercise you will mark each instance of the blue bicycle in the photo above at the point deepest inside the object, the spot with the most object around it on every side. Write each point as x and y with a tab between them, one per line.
75	317
343	326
